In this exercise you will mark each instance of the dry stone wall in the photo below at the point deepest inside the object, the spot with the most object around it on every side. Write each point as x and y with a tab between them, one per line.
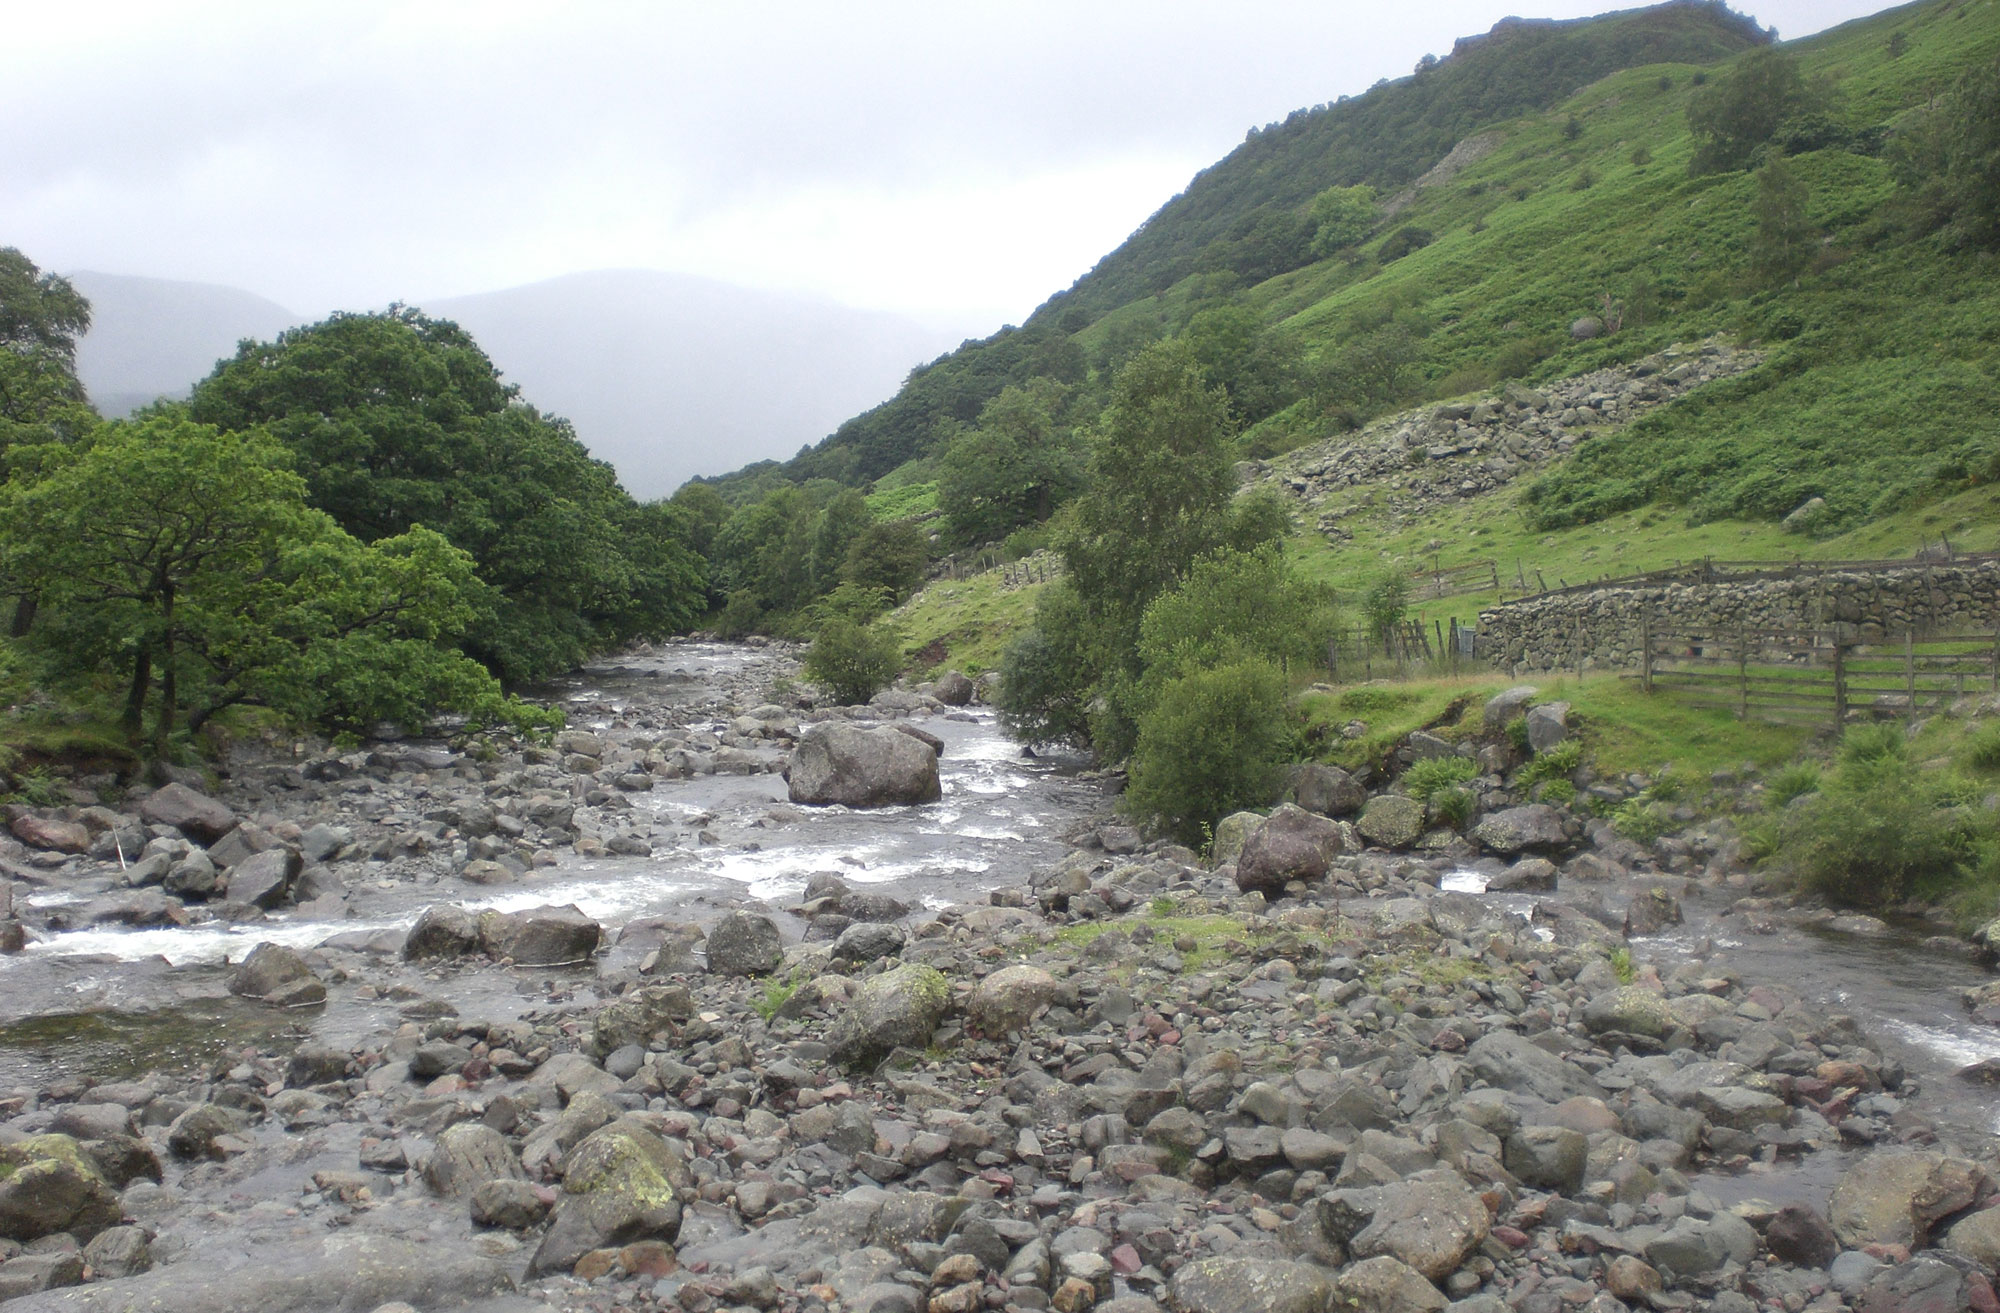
1602	627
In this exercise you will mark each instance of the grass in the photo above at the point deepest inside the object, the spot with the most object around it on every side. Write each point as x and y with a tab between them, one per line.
903	502
970	621
1215	938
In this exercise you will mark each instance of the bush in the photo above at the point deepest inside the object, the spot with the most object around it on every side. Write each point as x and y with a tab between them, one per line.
1452	806
855	662
1984	750
1431	777
1214	743
1557	793
1793	782
1558	763
1642	820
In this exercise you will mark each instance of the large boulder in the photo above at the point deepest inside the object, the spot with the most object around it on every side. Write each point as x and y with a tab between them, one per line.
1328	790
1291	844
1536	827
48	1184
1231	832
277	975
1548	725
622	1184
1391	821
954	689
1005	1001
1385	1284
1629	1010
897	1008
540	936
843	764
745	944
1518	1065
265	879
1895	1196
443	930
1504	707
1431	1222
466	1157
1229	1284
196	815
50	833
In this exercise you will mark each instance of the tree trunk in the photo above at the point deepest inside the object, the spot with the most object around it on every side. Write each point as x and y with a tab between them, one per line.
25	607
135	696
163	727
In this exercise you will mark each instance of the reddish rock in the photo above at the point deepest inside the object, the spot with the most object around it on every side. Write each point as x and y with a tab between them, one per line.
47	833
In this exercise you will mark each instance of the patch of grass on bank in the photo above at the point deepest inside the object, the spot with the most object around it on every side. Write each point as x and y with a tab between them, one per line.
972	620
903	502
1388	711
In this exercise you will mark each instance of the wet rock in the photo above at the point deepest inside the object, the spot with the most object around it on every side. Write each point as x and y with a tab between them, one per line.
1529	875
1922	1285
1894	1196
1391	820
50	834
202	1132
277	975
322	842
837	763
869	941
639	1016
137	907
1511	1062
194	814
194	876
1229	1284
316	1064
466	1157
899	1007
1628	1010
1291	844
1004	1001
1432	1222
443	930
1536	827
624	1183
539	936
1328	791
265	879
120	1251
953	689
1385	1285
745	944
48	1184
33	1273
509	1205
1799	1234
1548	1158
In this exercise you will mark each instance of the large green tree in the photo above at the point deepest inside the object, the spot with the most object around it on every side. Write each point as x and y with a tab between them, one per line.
396	420
1014	468
1948	160
1744	110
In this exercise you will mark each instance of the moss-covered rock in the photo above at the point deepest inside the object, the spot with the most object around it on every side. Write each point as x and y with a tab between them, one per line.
623	1183
897	1008
48	1184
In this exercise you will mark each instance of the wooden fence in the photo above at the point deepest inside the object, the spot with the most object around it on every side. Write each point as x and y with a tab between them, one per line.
1526	581
1455	581
1817	676
1360	654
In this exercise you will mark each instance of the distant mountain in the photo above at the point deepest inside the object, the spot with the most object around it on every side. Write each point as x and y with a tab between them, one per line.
668	375
664	375
152	338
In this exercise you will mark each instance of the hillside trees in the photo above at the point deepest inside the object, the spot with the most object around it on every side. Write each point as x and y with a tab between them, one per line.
1784	241
1014	468
186	558
396	420
1948	161
41	316
1342	218
1743	111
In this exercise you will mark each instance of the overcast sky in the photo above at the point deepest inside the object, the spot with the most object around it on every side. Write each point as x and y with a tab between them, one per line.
948	158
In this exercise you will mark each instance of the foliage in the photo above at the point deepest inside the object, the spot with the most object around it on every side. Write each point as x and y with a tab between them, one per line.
1880	826
1785	238
1642	819
1558	763
1234	604
1621	965
1213	743
1013	469
890	556
1386	604
778	991
395	420
1793	782
1426	779
1342	217
1049	673
1948	160
1983	752
854	662
1742	112
1452	806
1257	369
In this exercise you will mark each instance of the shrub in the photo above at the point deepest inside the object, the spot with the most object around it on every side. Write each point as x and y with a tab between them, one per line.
1517	735
1793	782
1452	806
1642	819
1558	763
1984	750
1436	774
1212	744
1557	793
855	662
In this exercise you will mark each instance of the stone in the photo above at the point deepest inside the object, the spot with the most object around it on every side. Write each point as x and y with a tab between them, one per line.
1548	1158
1502	708
1230	833
507	1204
1328	791
1432	1222
623	1183
1005	1001
1586	328
1511	1062
49	1185
50	834
265	879
119	1251
900	1007
1629	1010
540	936
1548	725
1802	516
1228	1284
837	763
277	974
953	689
1799	1234
745	944
1385	1285
442	930
1391	820
869	941
194	814
1892	1196
1922	1285
1529	875
1291	844
639	1016
1536	827
1630	1279
196	1133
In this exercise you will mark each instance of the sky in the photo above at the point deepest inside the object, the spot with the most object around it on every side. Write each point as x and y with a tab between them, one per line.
956	162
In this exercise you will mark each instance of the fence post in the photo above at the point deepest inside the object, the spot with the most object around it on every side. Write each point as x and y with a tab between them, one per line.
1839	683
1742	673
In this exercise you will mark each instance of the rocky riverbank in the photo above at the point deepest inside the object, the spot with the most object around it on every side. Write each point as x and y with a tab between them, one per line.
1309	1077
